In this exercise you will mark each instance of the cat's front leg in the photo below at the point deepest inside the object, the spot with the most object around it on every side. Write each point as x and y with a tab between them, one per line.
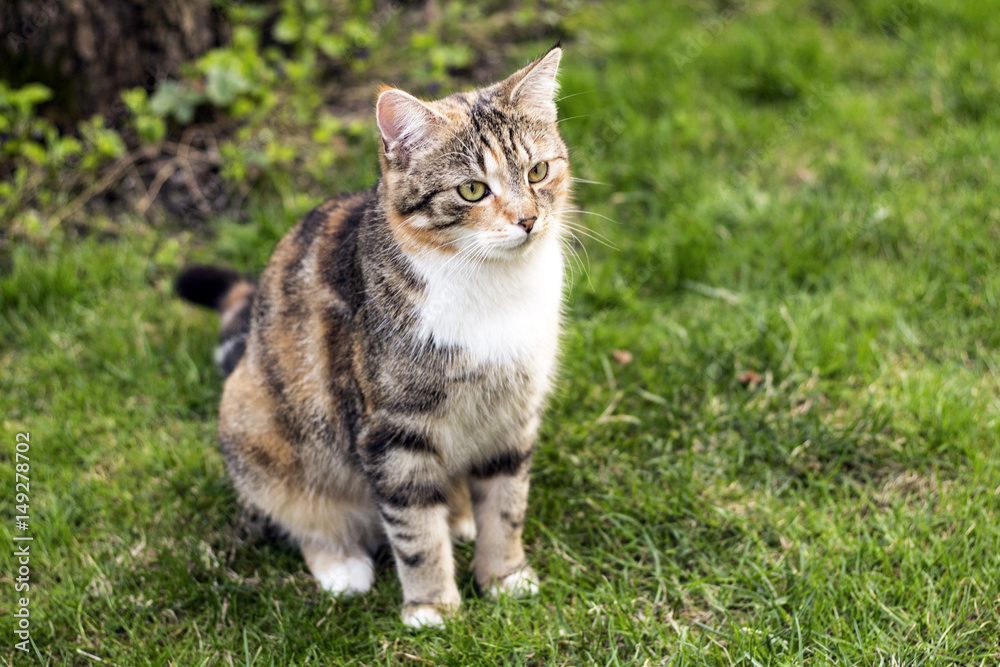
499	488
411	489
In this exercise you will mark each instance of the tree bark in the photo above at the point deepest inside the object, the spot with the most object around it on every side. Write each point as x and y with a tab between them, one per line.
87	51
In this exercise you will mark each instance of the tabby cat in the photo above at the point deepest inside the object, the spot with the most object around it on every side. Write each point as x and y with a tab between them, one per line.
386	376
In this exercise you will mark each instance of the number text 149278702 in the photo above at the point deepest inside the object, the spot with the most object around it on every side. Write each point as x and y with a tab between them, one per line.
22	540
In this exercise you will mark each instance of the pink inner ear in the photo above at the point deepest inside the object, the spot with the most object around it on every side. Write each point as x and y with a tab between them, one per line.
403	119
537	90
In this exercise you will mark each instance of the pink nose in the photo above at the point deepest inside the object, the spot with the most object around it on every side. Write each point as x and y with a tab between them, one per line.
527	223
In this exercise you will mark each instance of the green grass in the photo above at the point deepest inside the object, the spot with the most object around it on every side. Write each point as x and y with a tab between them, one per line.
803	190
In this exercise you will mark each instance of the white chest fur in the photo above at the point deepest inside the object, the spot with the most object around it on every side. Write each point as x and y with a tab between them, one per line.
500	312
504	319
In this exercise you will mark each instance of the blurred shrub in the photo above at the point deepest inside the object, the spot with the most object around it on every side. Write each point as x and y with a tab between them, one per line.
256	113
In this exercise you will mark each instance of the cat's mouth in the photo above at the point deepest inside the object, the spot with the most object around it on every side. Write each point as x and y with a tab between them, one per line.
504	244
518	245
521	238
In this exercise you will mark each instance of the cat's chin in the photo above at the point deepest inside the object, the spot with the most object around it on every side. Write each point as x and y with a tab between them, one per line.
509	255
516	248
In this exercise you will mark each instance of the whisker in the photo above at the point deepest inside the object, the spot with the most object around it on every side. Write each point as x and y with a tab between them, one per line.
599	215
576	262
460	140
566	97
461	253
449	154
452	242
472	262
583	246
591	234
442	270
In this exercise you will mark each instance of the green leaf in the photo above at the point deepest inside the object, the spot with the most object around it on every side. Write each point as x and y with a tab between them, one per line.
151	129
24	99
288	30
34	93
34	151
135	99
223	84
62	148
358	31
174	99
333	46
109	143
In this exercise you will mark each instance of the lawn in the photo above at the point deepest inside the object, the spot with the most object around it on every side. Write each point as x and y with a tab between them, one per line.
776	435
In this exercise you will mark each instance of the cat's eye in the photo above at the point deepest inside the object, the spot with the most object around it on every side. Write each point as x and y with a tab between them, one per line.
473	190
538	172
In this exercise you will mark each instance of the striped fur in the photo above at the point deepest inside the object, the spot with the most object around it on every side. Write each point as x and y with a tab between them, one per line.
389	369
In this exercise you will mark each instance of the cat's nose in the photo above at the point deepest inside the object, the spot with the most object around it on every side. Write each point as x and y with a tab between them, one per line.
527	223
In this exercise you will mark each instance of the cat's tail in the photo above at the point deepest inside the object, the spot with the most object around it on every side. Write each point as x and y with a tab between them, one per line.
229	293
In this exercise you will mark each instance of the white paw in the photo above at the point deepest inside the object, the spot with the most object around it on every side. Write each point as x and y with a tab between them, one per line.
342	575
423	616
464	530
520	584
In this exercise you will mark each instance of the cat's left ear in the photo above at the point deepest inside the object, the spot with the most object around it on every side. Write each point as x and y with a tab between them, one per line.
534	87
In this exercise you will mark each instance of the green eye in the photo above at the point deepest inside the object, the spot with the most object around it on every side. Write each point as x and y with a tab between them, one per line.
473	190
538	172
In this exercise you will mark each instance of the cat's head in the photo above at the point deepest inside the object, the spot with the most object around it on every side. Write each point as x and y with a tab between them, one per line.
483	173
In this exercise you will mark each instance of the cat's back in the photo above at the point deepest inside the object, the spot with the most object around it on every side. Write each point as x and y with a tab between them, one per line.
291	389
315	261
310	289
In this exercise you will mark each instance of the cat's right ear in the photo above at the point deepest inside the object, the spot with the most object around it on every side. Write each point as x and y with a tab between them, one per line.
534	87
405	123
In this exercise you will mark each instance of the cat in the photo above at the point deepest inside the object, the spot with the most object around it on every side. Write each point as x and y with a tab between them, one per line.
387	374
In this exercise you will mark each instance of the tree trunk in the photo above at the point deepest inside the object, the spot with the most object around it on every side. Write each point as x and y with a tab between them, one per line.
89	50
